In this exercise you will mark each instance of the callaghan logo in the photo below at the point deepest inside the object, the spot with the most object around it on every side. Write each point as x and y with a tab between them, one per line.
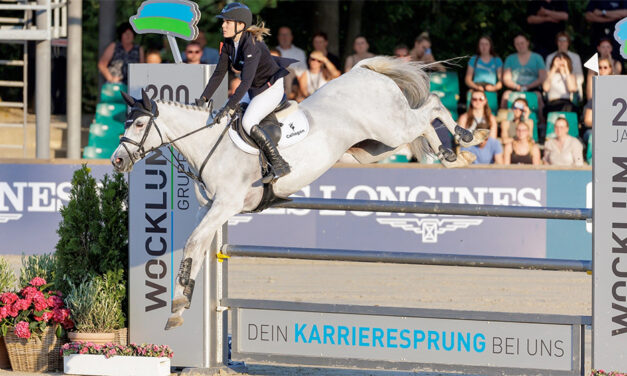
430	228
19	197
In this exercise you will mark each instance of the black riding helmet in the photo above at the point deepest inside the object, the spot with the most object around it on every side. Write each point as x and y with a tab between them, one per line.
237	12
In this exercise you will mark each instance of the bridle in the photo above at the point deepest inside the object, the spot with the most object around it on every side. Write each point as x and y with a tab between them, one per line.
141	152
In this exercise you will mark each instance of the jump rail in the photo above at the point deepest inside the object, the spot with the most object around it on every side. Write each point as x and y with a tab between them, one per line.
438	208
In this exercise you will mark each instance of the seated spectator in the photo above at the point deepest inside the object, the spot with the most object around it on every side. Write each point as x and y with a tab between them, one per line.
193	53
320	43
478	113
401	51
422	52
560	85
564	149
603	16
521	112
287	49
209	55
522	150
524	71
153	57
605	69
321	70
487	152
113	63
545	18
605	54
485	69
360	46
606	50
563	43
290	82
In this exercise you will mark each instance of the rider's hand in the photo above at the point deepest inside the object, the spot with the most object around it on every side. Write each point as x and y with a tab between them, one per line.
222	113
200	102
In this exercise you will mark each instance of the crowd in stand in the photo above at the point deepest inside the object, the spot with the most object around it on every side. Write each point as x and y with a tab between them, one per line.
536	102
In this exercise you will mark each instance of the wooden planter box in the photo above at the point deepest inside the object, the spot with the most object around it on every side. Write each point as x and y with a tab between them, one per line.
118	365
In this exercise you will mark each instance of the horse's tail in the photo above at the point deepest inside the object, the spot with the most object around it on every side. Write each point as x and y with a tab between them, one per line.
410	77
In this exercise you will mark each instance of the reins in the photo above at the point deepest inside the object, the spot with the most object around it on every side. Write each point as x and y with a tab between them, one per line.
141	152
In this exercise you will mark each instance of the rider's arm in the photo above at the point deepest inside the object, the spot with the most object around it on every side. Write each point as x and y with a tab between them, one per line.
217	76
251	61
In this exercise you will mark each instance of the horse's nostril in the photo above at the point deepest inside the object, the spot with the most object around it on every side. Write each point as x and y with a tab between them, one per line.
118	161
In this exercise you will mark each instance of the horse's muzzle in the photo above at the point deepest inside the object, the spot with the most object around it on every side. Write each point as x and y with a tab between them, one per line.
121	163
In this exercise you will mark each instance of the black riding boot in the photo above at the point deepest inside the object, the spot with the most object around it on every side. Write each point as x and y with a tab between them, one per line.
267	146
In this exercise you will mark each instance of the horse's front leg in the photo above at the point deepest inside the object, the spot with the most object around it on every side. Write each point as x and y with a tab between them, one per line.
446	156
463	136
193	256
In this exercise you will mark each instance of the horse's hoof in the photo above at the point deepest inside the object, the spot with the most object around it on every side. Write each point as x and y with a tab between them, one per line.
446	154
173	322
180	302
468	156
481	135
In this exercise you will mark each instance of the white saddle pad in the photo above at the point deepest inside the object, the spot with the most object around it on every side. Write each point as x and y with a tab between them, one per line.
295	128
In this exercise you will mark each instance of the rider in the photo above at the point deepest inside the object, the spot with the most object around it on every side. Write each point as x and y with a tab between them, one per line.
262	78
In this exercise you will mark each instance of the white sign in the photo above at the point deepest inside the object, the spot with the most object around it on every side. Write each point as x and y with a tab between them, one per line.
609	169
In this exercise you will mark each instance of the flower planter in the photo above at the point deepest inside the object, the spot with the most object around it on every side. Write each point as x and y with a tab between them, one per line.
119	365
5	363
39	354
97	338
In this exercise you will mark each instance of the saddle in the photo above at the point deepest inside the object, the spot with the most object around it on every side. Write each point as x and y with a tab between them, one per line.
270	123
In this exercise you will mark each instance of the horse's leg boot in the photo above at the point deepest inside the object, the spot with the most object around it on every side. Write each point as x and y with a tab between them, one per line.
279	165
463	133
446	154
184	271
188	292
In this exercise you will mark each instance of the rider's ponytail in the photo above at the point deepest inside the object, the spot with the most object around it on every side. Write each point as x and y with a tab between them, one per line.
259	31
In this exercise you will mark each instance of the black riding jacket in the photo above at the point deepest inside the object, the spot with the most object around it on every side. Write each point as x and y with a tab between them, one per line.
259	69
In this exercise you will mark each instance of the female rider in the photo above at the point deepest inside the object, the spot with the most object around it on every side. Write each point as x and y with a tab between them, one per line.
262	78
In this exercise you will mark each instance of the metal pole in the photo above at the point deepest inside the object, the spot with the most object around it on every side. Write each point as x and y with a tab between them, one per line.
42	86
438	208
106	30
74	65
406	258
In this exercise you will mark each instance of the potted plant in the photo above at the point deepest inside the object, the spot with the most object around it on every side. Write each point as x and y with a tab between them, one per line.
116	360
31	322
96	308
7	283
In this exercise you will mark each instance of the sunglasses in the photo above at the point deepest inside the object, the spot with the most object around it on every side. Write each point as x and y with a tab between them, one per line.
192	51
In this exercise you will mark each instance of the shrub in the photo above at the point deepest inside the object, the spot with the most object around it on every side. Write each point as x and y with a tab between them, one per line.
7	277
95	305
37	266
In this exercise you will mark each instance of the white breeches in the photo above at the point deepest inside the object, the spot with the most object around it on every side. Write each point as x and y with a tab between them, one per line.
262	105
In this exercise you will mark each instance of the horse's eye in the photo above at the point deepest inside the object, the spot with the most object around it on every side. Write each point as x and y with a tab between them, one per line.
139	125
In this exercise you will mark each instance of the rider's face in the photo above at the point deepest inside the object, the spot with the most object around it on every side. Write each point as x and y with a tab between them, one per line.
228	28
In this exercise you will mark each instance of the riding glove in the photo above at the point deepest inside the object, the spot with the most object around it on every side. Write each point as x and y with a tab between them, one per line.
226	110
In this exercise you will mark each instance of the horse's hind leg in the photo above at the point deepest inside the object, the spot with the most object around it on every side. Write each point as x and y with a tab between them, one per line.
193	255
463	136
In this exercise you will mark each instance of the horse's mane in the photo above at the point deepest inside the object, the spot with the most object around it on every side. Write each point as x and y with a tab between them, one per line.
182	105
410	77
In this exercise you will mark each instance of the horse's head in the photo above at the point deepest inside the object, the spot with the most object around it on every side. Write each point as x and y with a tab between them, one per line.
141	134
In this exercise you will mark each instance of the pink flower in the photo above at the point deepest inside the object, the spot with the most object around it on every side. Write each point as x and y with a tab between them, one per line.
12	310
67	324
37	281
8	298
83	350
29	292
22	330
59	315
40	303
55	302
4	312
22	304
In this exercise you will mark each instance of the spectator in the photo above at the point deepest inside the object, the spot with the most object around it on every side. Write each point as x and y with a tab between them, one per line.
563	43
603	16
485	69
287	49
521	113
153	57
489	151
360	46
605	69
560	85
321	70
193	53
113	63
401	51
422	51
564	149
522	150
209	55
524	71
605	50
478	113
320	43
290	82
607	59
546	18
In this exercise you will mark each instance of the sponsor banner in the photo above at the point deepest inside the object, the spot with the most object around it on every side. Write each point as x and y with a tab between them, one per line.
410	232
404	339
31	196
610	224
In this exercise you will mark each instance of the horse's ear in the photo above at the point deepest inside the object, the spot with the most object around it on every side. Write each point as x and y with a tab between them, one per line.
128	99
146	101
